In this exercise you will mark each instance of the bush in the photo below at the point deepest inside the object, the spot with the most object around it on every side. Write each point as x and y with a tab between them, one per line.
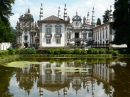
51	51
77	51
27	51
102	51
30	51
17	51
61	50
83	51
68	51
3	52
123	51
57	51
93	51
11	51
113	52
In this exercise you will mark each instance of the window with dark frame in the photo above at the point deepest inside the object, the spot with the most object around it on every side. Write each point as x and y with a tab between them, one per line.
48	30
48	41
58	30
58	41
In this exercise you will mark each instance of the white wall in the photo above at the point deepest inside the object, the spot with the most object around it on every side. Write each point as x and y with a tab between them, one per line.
5	45
53	39
100	31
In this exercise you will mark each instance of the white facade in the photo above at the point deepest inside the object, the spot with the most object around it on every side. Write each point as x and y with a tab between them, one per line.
52	32
53	38
79	34
5	45
103	35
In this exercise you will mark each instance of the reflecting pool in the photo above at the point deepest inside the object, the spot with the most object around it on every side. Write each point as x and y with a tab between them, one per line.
75	78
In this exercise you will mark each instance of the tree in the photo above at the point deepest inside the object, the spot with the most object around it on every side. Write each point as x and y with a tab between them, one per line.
98	21
106	16
122	22
5	13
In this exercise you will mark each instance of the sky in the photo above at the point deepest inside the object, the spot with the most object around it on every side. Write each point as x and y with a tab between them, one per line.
50	7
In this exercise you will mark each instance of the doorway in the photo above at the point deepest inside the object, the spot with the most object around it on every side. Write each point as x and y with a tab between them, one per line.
26	45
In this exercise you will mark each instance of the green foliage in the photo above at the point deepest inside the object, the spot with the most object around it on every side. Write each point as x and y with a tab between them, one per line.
122	51
77	51
83	51
51	51
113	52
11	51
3	52
102	51
93	51
98	21
122	22
68	51
5	28
106	16
57	51
26	51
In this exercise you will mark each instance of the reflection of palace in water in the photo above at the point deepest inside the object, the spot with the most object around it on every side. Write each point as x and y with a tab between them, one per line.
53	80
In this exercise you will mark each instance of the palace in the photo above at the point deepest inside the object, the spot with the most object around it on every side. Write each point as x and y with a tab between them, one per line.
55	32
26	30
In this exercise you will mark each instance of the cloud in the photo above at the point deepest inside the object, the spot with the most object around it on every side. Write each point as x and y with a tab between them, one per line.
50	7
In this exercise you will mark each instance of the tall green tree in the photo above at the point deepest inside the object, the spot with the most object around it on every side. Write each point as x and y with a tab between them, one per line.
98	21
122	22
5	13
106	16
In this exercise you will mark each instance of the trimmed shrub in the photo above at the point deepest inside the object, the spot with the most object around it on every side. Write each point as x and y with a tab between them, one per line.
26	51
68	51
114	52
57	51
83	51
61	50
51	51
77	51
93	51
11	51
30	51
102	51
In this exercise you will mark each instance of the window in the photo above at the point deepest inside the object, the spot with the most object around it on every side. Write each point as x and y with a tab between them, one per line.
84	36
48	30
89	35
58	41
25	37
58	30
69	36
48	41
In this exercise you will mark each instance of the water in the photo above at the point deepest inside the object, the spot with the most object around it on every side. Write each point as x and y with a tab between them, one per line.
73	78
